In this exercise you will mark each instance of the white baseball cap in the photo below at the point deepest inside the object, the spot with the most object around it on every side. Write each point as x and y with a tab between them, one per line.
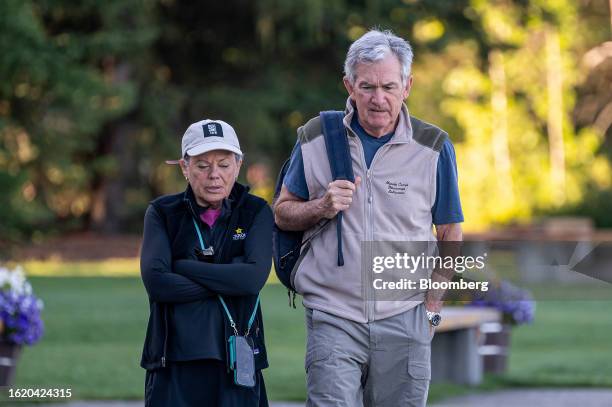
208	135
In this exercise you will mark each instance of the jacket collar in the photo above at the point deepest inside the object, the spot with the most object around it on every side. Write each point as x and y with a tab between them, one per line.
402	132
235	200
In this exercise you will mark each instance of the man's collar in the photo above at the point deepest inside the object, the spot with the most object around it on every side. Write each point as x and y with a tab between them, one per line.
403	130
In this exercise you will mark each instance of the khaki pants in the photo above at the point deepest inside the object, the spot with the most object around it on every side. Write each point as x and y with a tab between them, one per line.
381	363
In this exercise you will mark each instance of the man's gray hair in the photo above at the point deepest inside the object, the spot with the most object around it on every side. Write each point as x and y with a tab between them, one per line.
374	46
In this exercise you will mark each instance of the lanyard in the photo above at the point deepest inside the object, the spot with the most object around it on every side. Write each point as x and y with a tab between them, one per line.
229	316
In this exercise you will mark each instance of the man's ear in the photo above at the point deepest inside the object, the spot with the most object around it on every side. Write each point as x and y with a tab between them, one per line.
349	87
406	90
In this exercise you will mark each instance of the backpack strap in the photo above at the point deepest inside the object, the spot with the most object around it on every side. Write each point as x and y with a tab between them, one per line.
339	156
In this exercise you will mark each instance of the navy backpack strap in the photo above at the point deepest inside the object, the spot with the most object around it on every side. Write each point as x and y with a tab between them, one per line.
339	155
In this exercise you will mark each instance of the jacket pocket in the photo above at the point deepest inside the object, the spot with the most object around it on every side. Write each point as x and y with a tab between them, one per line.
259	351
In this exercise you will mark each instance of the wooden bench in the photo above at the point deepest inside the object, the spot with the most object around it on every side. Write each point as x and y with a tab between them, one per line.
455	355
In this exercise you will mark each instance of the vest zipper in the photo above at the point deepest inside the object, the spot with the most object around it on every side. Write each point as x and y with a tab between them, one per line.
163	358
369	236
370	302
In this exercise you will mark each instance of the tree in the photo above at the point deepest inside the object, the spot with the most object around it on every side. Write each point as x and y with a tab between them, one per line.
96	95
513	99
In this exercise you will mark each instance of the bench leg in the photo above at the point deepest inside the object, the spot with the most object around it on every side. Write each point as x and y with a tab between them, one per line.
455	358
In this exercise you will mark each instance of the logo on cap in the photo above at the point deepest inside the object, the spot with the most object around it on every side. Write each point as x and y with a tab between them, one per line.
212	130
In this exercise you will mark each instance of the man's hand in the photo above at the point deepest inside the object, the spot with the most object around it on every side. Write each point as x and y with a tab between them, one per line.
432	306
293	213
338	197
449	238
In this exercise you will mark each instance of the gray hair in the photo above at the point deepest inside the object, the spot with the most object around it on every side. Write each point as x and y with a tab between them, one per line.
374	46
238	157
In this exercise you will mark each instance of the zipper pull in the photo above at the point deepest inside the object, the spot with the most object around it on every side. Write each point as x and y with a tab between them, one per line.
163	361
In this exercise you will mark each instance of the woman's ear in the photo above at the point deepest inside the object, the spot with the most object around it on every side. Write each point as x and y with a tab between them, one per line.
238	168
184	168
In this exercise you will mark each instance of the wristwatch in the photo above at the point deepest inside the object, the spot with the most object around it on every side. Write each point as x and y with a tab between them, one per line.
434	318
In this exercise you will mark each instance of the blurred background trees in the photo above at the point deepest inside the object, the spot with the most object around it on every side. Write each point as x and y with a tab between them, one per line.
94	96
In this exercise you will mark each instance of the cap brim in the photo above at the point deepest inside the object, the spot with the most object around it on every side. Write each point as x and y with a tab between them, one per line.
205	148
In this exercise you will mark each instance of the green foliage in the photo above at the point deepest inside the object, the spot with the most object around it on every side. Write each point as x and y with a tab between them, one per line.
95	96
64	83
512	97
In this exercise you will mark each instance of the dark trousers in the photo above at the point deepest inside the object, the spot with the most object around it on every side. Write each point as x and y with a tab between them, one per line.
200	383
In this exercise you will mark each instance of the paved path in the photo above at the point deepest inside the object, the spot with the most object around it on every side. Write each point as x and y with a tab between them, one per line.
504	398
128	404
534	397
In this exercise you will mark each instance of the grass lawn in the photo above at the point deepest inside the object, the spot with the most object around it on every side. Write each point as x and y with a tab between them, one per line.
95	328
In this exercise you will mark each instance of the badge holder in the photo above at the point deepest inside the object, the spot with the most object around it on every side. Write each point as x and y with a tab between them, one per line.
241	353
241	347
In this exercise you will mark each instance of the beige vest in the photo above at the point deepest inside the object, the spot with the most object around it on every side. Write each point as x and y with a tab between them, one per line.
393	203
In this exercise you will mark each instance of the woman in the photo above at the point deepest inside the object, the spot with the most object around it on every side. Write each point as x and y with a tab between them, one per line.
206	254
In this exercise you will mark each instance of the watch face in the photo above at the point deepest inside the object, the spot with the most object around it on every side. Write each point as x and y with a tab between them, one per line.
436	319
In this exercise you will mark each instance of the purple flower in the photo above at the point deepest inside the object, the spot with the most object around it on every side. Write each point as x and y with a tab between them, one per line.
19	309
516	305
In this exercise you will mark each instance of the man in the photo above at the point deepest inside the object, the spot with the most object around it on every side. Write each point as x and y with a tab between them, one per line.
361	352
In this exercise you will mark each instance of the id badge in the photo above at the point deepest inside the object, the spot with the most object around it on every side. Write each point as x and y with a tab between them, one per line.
242	360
